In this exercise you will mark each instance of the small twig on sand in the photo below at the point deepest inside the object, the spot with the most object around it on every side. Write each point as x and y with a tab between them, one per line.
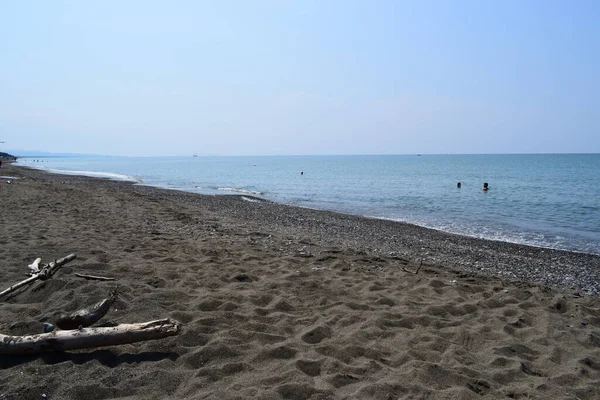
417	270
97	278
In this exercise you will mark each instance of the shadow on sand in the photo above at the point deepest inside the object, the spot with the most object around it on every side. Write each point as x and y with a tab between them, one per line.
105	357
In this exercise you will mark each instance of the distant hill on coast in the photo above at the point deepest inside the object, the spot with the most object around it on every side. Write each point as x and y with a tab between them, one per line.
6	155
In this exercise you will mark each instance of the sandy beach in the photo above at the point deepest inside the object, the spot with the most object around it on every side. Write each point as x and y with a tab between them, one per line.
281	302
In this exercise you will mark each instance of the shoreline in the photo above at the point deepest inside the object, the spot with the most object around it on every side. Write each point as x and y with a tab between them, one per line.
535	234
559	269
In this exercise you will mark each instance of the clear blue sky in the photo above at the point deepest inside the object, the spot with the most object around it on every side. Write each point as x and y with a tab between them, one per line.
300	77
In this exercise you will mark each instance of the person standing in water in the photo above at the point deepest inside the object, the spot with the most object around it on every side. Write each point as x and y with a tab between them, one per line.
485	186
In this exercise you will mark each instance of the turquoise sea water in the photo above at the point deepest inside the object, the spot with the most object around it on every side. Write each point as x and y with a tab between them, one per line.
547	200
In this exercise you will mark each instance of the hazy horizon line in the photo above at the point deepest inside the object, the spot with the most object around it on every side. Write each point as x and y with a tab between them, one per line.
72	154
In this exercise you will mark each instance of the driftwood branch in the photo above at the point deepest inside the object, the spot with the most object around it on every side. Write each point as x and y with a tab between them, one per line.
88	337
45	273
18	285
416	271
93	277
87	316
52	267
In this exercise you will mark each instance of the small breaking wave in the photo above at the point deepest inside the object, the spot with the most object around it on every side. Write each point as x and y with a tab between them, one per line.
250	199
229	189
236	190
503	234
95	174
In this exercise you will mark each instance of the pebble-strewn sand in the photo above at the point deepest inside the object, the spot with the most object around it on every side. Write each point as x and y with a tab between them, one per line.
280	302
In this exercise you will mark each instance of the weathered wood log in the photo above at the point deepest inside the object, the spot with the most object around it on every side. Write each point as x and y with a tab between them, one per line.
52	267
45	273
88	337
93	277
87	316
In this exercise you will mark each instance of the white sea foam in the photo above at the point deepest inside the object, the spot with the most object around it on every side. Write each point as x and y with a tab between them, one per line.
236	190
96	174
251	200
528	238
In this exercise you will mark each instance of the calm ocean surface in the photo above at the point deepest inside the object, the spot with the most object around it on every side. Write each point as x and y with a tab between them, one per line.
548	200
